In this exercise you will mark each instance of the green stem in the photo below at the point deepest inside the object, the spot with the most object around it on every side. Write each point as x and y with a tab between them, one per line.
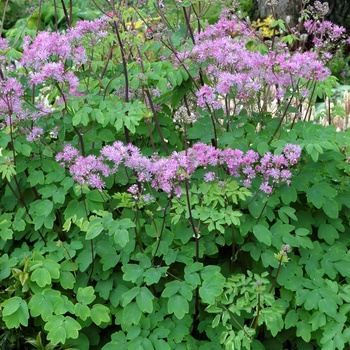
278	271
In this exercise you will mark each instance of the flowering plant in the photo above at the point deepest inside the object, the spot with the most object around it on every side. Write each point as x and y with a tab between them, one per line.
158	188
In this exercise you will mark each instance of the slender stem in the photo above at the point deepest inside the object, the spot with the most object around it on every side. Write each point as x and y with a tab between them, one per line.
21	200
125	71
12	139
156	121
188	24
162	228
68	19
188	201
281	120
173	276
39	17
258	312
308	111
69	256
235	320
92	262
107	62
137	228
198	15
171	47
3	17
150	135
90	69
71	10
328	109
233	250
278	271
254	323
56	16
105	13
214	141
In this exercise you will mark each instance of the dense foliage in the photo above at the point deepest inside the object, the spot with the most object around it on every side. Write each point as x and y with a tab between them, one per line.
171	179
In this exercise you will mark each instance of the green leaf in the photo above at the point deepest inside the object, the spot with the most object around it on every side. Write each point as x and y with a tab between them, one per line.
47	221
59	196
84	259
43	303
6	234
131	314
211	288
144	300
130	295
19	225
192	277
75	210
47	191
100	314
5	266
99	116
107	135
118	341
109	257
328	233
53	267
343	267
131	272
262	234
119	230
331	209
291	319
262	147
201	130
178	306
172	78
317	320
121	237
328	306
302	232
285	213
319	193
171	289
153	275
36	177
312	300
15	312
86	295
61	328
209	270
43	207
41	276
82	311
288	194
95	228
304	330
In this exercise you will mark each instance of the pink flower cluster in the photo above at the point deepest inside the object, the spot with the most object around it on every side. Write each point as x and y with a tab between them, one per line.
325	35
234	64
11	93
44	59
166	174
46	54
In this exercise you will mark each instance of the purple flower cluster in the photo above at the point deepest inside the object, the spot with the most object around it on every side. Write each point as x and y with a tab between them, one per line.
46	54
11	93
324	28
35	133
325	35
44	59
84	169
166	174
234	67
